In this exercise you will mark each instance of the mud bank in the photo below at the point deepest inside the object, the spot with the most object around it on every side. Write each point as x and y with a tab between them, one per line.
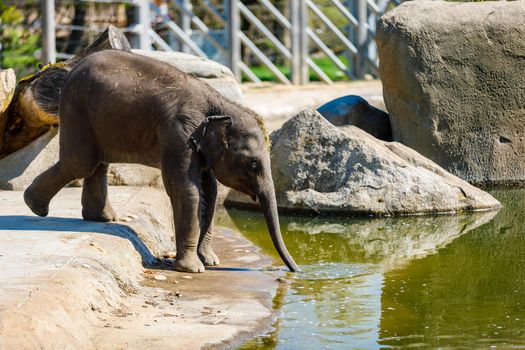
71	284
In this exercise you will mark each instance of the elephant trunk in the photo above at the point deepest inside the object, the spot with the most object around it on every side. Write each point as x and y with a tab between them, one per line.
269	206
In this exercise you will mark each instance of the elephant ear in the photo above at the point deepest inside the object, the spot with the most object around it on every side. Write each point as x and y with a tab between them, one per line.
213	141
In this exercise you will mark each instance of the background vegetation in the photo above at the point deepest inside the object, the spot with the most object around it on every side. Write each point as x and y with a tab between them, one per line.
19	43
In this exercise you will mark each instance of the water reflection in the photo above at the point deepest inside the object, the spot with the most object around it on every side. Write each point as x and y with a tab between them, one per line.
388	242
471	294
418	281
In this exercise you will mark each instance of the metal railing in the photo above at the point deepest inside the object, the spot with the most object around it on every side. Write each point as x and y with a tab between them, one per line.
304	30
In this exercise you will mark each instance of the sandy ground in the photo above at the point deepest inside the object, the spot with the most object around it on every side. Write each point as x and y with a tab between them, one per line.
70	284
277	103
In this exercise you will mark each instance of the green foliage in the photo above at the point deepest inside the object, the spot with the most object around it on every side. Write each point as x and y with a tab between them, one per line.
326	65
265	74
18	43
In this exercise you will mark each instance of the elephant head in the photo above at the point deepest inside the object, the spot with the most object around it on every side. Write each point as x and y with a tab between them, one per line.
237	151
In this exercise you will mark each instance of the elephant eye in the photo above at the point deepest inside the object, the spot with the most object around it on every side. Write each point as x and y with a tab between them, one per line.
254	165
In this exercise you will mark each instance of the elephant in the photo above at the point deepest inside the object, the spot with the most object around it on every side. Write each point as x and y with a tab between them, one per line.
120	107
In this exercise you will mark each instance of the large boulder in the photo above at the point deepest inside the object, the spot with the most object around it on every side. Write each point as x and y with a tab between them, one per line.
18	169
453	80
318	167
355	110
214	74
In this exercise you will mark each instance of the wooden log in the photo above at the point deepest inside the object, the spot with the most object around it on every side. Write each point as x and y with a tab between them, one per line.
34	106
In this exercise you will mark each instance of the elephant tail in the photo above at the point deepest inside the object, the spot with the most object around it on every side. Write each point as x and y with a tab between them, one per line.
46	89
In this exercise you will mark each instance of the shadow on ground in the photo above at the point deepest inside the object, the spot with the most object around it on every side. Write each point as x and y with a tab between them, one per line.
31	223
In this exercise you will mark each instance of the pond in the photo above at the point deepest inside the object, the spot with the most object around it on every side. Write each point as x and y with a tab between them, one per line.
423	282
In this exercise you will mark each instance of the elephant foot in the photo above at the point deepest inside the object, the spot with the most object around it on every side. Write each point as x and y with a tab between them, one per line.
189	263
106	215
208	256
37	206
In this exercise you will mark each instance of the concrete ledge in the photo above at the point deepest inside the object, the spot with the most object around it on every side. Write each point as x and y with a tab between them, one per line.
68	283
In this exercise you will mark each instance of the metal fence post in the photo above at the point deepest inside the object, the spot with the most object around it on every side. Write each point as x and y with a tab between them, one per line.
144	25
234	44
186	24
361	38
299	21
48	31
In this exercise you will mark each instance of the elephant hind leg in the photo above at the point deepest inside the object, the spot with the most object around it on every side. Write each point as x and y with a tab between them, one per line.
46	185
95	203
205	251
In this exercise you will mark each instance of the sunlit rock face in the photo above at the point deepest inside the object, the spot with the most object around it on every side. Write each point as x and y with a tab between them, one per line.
453	79
318	167
218	76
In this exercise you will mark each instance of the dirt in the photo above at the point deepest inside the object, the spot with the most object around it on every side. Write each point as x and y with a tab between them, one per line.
217	309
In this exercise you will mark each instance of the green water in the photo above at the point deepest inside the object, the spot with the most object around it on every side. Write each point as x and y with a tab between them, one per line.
433	282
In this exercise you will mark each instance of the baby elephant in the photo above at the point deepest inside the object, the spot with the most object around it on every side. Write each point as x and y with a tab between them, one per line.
119	107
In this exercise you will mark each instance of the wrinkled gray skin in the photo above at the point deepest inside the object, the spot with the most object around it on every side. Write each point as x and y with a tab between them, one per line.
118	107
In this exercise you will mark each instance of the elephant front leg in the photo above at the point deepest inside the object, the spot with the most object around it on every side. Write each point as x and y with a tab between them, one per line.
207	206
183	190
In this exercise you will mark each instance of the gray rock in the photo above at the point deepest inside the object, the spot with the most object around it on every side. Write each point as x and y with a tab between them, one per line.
355	110
215	74
18	169
453	80
317	167
134	175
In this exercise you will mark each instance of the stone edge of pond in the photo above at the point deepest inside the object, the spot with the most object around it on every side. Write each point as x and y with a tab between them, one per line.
111	265
236	200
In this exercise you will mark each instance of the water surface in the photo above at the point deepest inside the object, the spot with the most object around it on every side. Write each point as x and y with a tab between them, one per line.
423	282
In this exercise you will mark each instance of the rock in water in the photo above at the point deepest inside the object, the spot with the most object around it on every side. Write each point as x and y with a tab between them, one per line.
355	110
318	167
454	85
